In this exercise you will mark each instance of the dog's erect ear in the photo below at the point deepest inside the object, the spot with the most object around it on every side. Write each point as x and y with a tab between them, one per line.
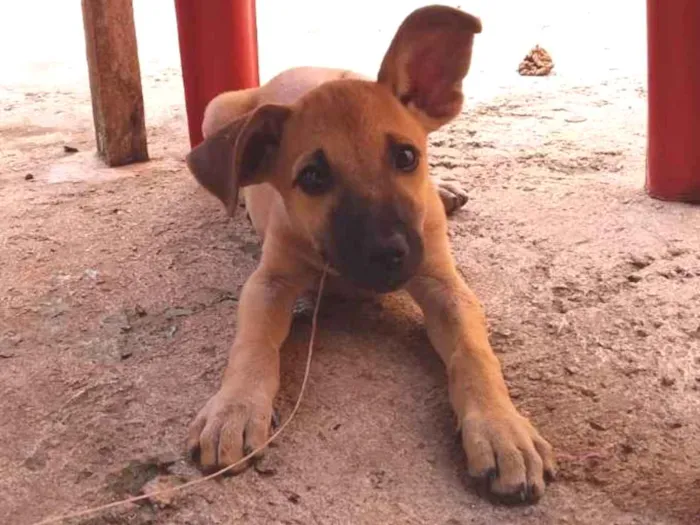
239	154
427	61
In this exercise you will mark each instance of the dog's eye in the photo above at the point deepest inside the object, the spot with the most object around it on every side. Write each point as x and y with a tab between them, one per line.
314	180
405	157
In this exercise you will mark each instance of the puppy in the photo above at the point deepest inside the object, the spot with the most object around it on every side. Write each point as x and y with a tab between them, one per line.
334	171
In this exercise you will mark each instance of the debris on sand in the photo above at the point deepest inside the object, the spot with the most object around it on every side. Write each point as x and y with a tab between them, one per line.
537	63
158	488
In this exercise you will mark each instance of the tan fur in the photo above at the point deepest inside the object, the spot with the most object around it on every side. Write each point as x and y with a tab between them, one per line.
259	139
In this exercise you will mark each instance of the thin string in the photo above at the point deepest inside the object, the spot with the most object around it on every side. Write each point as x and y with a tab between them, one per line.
198	481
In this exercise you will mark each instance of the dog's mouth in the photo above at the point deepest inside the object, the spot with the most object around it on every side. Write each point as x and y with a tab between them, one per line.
371	244
374	274
371	281
385	285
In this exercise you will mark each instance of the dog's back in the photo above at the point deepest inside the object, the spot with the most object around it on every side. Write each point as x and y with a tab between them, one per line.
285	88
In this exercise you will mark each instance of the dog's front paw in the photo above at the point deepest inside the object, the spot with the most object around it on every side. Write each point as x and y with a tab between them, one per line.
233	423
506	453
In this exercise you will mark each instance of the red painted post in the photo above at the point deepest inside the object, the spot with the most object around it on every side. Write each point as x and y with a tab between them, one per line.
673	155
218	52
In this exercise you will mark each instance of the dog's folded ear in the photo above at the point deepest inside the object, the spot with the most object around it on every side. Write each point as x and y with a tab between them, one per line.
239	154
428	60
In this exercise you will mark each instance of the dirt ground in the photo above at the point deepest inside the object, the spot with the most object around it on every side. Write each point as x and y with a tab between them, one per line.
118	291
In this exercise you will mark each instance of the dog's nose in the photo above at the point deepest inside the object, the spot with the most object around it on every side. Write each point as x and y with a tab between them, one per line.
390	253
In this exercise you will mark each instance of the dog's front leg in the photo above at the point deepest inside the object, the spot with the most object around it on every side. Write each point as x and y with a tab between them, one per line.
502	447
236	420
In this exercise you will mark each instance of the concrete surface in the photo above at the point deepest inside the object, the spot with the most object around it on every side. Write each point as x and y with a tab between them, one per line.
118	288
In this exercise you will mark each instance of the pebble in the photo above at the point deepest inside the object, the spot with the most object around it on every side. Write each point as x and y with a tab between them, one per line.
595	425
640	261
160	483
667	381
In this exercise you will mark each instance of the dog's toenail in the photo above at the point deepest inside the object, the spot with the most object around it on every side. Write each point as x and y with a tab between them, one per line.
193	454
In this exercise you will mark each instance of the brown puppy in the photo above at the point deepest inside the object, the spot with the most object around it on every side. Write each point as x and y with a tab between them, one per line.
334	170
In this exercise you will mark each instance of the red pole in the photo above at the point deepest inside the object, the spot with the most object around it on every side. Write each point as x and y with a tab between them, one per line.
673	156
218	52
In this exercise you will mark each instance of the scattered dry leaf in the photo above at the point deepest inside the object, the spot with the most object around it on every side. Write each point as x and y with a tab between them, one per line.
537	63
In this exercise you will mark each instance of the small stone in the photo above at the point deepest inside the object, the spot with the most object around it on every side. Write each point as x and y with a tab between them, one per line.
263	468
13	339
140	311
175	311
29	176
70	149
293	497
378	479
667	381
502	333
535	375
36	462
588	392
695	334
634	278
83	475
627	448
559	306
677	252
640	261
164	459
158	484
595	425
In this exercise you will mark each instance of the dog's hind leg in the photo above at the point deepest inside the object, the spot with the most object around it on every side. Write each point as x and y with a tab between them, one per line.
452	194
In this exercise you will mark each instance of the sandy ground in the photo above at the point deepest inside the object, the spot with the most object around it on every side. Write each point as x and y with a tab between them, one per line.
118	289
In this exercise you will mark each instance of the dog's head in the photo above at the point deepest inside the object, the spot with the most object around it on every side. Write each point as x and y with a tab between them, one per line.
349	158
